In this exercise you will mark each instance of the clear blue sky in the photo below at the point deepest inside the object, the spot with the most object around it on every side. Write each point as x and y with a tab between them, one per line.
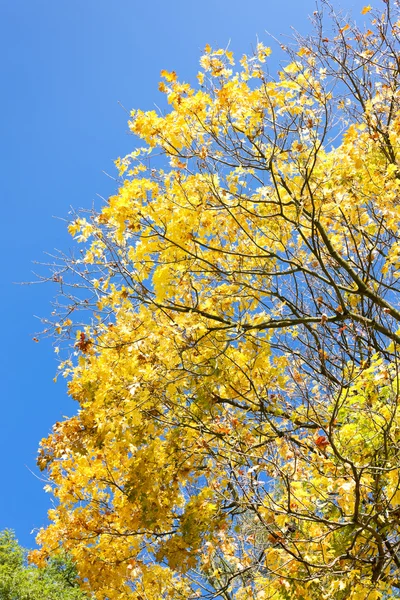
65	66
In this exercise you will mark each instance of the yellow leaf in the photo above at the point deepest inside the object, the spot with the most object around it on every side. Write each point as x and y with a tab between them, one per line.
303	51
169	76
366	9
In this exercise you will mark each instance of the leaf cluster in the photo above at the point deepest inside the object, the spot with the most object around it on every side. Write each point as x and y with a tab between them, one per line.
236	361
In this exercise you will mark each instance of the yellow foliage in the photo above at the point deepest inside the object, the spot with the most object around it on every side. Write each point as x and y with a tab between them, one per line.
238	434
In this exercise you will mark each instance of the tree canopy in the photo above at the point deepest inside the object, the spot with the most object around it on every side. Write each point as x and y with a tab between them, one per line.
57	580
235	359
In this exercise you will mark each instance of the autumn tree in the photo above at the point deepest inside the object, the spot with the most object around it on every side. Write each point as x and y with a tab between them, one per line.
238	432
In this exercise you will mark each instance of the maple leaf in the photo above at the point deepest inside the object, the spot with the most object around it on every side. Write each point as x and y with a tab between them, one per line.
366	9
322	442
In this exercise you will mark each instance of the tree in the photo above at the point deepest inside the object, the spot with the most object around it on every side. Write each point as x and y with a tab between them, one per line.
56	581
238	434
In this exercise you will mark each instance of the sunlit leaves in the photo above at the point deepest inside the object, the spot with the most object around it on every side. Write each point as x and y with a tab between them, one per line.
238	430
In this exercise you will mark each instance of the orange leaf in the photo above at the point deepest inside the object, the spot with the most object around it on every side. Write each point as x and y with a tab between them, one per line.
322	441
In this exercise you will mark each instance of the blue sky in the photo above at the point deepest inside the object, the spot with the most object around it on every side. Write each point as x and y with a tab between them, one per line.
67	68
